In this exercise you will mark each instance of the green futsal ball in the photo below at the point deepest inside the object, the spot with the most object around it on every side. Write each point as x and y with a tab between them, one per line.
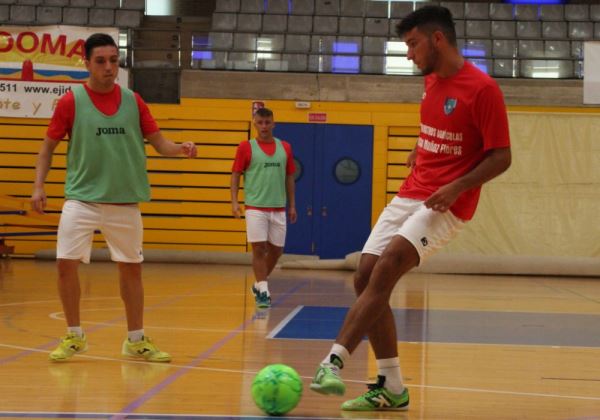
277	389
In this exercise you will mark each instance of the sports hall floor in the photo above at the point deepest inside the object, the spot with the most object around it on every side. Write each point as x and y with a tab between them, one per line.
471	347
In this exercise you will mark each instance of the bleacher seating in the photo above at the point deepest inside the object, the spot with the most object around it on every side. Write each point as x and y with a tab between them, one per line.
477	11
494	35
376	9
556	49
502	29
274	24
351	25
501	11
122	14
552	12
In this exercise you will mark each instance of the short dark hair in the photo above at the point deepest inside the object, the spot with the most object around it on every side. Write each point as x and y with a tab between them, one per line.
264	112
98	40
429	19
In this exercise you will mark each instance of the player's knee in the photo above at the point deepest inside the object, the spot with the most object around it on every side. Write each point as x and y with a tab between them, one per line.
275	251
363	272
361	280
259	249
66	267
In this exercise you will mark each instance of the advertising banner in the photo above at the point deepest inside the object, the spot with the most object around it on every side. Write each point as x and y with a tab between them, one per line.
39	64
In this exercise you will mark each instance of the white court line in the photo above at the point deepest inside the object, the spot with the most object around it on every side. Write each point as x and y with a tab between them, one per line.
251	372
284	321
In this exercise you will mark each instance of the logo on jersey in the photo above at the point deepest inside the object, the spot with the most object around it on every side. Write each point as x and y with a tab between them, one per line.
449	105
110	130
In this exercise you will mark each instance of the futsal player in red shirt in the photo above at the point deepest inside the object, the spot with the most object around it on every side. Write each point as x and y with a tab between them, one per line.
268	167
463	143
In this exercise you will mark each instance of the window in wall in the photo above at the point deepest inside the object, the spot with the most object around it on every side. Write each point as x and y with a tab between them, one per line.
345	62
123	43
396	61
200	47
547	69
264	48
179	7
475	54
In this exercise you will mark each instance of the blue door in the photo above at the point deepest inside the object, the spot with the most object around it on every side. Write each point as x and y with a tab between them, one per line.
300	235
333	187
345	186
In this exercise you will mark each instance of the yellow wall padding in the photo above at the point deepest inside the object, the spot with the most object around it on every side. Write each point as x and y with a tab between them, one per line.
547	203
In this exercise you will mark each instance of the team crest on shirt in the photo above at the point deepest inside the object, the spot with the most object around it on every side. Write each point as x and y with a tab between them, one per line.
449	105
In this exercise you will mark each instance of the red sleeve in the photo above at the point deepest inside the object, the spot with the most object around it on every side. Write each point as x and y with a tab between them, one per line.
491	118
147	122
63	117
290	167
243	155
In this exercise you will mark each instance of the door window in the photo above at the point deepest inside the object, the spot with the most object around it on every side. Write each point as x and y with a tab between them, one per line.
346	171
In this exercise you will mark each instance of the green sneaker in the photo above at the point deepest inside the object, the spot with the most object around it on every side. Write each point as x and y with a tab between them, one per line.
145	349
263	300
69	345
378	398
327	380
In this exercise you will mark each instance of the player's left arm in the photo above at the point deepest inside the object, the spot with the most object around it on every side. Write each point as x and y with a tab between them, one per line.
290	183
168	148
492	120
152	133
290	188
493	164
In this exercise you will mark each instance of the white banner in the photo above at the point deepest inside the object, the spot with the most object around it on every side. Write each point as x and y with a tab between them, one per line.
591	75
39	64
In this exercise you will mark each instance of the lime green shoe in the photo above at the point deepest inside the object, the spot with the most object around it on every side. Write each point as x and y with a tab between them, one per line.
327	380
378	398
145	349
69	345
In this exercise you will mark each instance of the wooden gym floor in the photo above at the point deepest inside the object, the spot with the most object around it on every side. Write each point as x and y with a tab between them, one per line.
471	347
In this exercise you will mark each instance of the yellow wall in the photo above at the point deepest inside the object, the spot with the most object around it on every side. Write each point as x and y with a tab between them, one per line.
190	208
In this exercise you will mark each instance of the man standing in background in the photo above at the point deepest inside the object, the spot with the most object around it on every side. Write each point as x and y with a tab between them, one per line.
268	167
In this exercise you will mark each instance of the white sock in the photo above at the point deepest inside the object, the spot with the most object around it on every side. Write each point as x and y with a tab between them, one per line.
135	335
340	351
78	331
262	286
390	368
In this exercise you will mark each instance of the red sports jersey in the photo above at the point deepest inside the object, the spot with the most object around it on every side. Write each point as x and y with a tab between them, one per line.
243	155
462	117
107	103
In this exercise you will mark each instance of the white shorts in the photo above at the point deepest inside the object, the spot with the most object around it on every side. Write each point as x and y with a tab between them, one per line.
425	229
120	224
263	226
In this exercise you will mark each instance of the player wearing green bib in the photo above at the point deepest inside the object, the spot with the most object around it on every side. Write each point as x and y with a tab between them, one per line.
268	167
106	179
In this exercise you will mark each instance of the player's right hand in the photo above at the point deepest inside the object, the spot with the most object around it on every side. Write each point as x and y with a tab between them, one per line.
38	200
